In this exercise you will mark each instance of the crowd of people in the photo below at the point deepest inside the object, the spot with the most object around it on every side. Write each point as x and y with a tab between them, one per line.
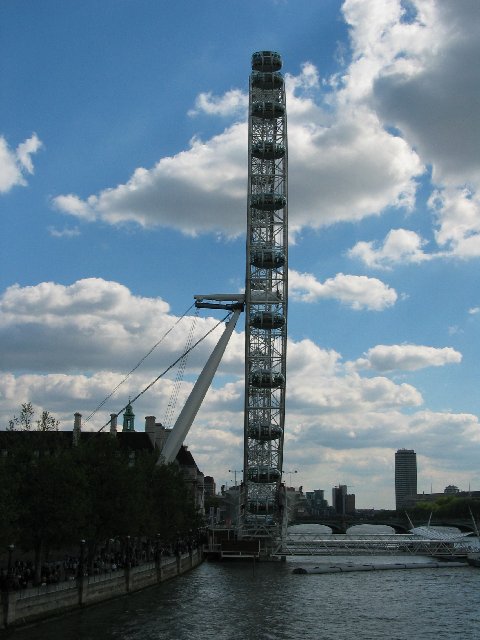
114	555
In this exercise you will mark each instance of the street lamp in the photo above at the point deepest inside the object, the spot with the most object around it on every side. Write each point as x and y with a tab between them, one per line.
11	547
81	564
290	473
235	471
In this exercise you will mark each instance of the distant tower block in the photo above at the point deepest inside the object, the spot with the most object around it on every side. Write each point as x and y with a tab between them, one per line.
405	478
266	291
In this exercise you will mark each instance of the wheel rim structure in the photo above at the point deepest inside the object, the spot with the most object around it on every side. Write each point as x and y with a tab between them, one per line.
266	294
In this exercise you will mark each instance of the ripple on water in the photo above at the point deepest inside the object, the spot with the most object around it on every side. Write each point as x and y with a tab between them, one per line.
223	601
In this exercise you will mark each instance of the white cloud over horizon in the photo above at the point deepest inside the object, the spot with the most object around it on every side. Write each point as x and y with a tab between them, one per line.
339	414
384	180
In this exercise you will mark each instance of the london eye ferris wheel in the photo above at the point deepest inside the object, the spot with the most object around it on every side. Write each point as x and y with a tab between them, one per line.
266	291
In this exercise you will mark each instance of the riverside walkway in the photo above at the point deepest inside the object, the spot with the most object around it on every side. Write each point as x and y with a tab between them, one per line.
37	603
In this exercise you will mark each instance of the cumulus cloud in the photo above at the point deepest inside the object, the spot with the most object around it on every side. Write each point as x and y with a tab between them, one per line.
341	168
457	213
65	348
429	89
358	140
412	66
15	163
400	246
231	103
94	324
423	82
357	292
407	357
208	179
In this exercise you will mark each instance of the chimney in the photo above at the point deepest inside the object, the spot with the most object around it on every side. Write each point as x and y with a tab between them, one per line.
150	428
77	428
113	424
161	435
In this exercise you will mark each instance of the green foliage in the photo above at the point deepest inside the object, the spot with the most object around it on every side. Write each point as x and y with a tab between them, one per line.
54	494
168	491
448	506
25	421
8	506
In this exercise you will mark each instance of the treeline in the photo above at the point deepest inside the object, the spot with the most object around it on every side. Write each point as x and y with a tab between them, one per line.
53	498
449	506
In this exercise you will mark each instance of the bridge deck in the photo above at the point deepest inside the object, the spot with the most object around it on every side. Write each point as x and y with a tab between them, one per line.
371	545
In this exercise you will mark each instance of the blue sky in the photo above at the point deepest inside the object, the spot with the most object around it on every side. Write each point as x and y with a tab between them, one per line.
123	167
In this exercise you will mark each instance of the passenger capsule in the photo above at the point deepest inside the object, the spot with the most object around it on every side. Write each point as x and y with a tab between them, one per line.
266	379
268	110
263	475
268	150
267	258
268	201
261	505
266	61
267	81
267	320
264	432
265	520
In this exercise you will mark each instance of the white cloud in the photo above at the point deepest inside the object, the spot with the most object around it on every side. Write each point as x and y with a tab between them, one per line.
71	232
412	66
232	103
74	206
400	246
429	89
65	348
424	83
15	163
208	179
410	72
94	325
407	357
357	292
342	167
457	212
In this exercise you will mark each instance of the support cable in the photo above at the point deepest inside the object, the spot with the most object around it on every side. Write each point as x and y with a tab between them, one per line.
185	353
138	364
172	403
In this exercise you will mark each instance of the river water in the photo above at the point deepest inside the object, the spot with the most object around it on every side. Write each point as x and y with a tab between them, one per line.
266	601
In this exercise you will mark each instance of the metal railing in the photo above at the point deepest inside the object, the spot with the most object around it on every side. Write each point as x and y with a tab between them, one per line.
384	544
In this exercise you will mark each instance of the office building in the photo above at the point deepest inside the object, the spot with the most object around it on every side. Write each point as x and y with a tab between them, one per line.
343	503
405	478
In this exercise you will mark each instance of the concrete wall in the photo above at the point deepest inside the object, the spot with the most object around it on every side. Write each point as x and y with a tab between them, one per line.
28	605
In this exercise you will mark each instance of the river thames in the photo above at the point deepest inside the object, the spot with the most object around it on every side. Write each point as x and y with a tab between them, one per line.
266	601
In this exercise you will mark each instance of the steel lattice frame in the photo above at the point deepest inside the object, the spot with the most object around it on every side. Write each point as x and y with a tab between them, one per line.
266	291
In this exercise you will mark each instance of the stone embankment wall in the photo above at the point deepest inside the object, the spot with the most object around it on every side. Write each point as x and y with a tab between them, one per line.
29	605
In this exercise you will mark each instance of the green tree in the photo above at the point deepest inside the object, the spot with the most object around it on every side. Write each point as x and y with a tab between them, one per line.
107	492
8	528
173	507
25	420
47	493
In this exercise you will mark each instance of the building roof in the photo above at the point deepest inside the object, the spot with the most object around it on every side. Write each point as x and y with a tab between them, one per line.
50	440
